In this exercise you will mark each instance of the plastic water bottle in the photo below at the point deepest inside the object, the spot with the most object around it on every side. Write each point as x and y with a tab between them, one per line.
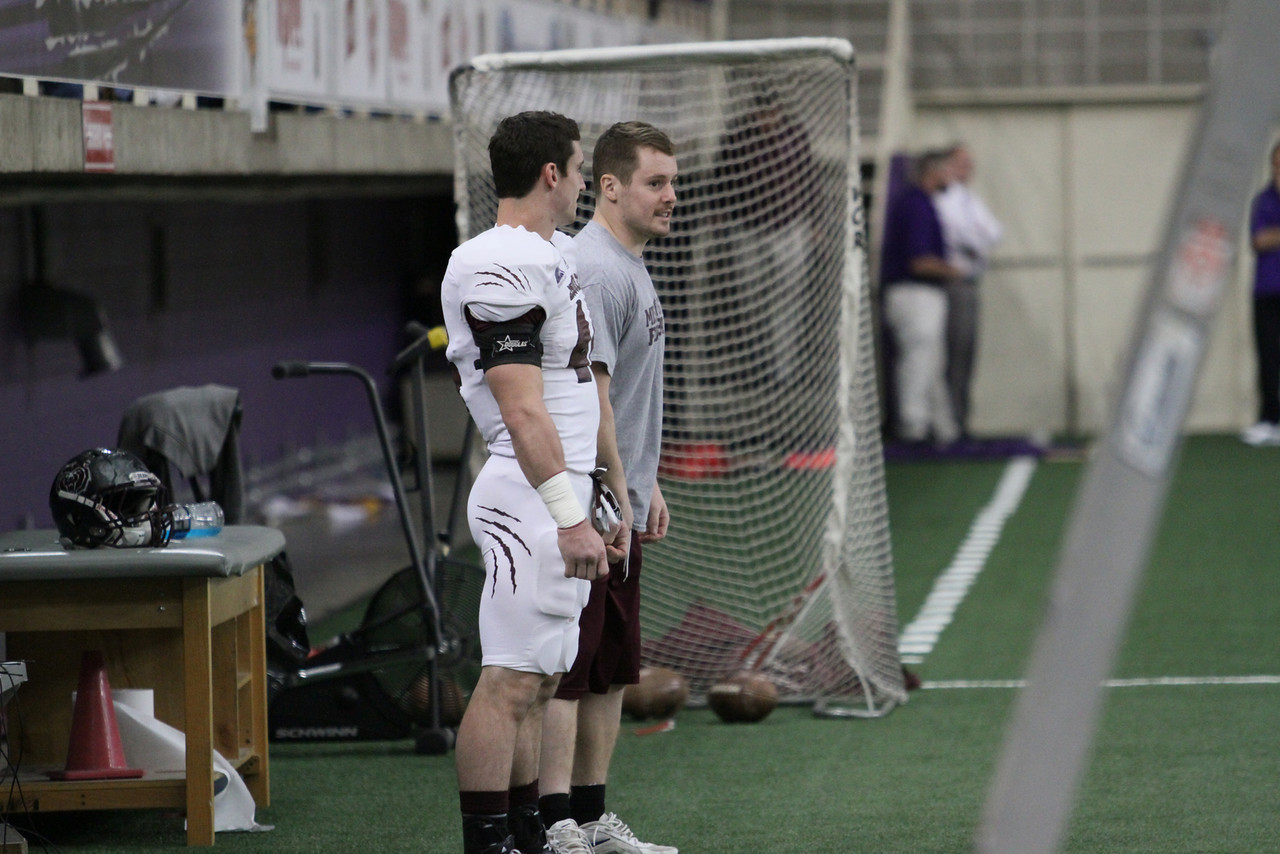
195	520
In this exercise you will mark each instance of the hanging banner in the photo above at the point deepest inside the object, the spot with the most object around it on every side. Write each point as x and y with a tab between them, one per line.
456	31
164	44
380	54
409	50
296	47
360	71
537	25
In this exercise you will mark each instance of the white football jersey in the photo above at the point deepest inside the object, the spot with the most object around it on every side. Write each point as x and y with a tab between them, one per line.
500	275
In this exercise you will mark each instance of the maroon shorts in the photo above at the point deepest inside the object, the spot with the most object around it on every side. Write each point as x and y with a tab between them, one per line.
608	633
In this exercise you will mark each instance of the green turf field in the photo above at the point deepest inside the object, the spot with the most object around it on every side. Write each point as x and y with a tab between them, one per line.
1185	759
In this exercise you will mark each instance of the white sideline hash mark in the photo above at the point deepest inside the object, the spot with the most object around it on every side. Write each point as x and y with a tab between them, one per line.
1147	682
919	638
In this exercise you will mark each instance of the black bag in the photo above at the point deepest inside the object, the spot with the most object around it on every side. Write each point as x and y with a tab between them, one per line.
287	643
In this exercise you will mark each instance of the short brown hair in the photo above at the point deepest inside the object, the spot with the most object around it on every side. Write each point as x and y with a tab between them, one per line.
617	151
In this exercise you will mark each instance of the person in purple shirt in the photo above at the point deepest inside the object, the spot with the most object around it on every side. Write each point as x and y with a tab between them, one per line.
1264	236
913	277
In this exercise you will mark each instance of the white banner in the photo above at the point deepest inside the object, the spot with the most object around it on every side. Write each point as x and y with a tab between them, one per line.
455	31
397	54
360	69
296	47
408	51
537	25
393	55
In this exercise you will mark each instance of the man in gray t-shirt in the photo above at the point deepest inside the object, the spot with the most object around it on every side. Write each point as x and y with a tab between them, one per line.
628	346
634	166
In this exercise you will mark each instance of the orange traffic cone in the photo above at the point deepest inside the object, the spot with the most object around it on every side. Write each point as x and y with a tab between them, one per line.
95	751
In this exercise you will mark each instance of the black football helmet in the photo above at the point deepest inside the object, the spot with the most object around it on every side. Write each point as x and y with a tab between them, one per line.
108	498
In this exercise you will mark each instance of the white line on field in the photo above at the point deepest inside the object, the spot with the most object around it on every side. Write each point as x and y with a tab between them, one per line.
1149	682
921	635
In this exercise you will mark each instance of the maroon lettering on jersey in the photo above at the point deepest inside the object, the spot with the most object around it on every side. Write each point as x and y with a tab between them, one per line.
654	321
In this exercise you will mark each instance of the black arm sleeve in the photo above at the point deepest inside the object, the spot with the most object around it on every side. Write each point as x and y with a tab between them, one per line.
509	342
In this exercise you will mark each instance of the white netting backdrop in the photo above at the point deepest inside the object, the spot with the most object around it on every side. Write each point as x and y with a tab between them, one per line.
778	556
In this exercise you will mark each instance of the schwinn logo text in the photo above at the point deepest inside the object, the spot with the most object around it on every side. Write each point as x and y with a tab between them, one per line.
309	732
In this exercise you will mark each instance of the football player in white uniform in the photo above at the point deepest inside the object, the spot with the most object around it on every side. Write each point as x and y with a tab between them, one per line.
519	340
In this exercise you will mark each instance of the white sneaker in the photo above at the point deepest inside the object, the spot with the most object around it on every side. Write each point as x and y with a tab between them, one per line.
565	837
1262	433
610	835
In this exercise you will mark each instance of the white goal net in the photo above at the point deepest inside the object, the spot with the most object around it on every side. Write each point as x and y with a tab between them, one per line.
778	557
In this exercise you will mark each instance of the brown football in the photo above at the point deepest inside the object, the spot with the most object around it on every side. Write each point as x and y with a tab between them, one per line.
745	697
660	693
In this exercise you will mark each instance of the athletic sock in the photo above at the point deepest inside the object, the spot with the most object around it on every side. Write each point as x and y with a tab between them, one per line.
587	802
523	796
484	803
524	821
555	808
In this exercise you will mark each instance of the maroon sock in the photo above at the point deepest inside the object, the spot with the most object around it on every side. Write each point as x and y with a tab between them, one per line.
483	803
523	795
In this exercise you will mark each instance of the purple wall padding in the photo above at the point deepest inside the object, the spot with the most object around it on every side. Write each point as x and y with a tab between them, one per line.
195	293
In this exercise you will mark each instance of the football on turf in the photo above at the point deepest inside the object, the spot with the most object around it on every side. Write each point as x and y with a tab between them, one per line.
745	697
660	693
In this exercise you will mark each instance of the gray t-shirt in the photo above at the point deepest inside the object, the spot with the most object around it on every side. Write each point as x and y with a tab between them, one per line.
628	336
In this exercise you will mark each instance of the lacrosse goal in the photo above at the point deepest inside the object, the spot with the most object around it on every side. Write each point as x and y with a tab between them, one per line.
778	557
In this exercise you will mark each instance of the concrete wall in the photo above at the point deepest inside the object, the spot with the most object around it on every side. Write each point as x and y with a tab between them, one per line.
1084	191
45	135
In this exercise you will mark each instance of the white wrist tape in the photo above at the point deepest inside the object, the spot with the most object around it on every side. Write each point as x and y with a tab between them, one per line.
557	494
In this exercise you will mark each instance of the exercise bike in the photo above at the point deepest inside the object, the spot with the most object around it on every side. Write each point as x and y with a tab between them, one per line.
403	672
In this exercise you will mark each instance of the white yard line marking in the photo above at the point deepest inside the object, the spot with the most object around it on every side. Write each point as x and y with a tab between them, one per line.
1148	682
921	635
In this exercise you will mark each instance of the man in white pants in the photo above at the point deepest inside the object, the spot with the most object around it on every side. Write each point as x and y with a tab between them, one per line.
971	231
913	278
519	341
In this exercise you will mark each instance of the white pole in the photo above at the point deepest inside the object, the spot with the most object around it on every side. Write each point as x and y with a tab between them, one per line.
1120	500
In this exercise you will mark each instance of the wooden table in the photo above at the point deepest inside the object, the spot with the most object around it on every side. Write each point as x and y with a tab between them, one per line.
186	621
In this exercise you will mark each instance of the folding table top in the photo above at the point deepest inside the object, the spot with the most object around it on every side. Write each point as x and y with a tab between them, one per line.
39	555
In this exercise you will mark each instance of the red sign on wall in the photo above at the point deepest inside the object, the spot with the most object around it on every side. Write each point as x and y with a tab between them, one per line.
99	142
